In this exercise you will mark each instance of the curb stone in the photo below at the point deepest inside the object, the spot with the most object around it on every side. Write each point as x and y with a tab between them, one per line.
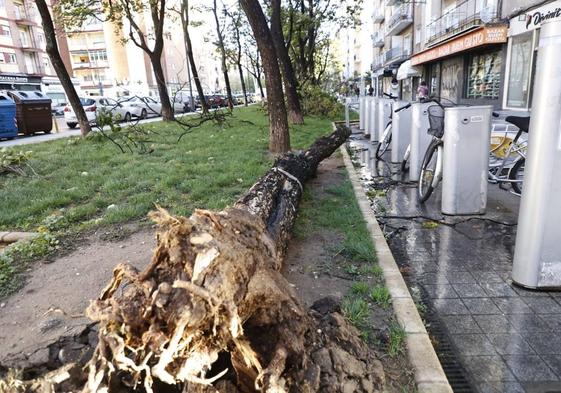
429	375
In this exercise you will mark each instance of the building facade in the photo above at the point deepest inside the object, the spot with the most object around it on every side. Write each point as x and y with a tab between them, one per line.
23	60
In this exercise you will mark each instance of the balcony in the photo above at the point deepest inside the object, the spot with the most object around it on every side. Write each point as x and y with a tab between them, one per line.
378	62
378	16
392	2
378	39
83	65
400	20
466	16
23	17
396	55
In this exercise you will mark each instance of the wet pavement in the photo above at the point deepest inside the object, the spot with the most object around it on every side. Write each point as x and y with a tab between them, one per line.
490	335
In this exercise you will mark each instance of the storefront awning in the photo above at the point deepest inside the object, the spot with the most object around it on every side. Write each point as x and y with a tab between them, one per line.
478	37
407	70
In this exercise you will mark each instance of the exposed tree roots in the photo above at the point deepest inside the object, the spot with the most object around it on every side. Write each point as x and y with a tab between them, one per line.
212	313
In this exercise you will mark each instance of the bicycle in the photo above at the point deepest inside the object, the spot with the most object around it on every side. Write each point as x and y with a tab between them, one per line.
509	155
386	139
431	168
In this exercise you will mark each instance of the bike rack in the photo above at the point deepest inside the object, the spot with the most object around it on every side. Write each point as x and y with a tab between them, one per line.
384	110
373	129
401	131
361	113
420	138
466	159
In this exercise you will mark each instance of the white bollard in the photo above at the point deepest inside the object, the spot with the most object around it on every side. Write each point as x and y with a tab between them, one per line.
420	138
401	131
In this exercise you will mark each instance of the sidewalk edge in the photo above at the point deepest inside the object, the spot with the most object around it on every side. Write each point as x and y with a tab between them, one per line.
429	375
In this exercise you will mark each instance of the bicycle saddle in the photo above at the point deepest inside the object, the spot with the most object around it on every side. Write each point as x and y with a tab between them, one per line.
522	122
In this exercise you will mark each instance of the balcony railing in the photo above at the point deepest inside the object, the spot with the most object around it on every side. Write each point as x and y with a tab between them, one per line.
400	19
392	2
378	16
378	62
465	16
378	39
90	64
396	54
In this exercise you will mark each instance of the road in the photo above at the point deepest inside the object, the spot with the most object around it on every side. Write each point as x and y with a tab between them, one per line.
63	132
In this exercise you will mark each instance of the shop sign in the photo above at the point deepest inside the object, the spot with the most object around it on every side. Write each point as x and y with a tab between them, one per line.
479	37
13	79
533	19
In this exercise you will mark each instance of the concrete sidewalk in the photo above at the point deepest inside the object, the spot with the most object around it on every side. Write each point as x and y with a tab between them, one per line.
490	335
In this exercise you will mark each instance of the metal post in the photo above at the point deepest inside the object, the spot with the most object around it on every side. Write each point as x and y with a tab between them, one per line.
347	118
537	254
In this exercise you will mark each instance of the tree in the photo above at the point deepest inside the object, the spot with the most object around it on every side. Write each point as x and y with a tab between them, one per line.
76	12
60	69
290	84
222	50
184	15
279	137
236	54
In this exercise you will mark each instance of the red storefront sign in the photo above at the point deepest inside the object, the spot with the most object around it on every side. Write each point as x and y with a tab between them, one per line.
481	36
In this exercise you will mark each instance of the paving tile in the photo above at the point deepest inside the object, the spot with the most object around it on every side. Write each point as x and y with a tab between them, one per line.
458	324
530	292
469	290
486	276
545	343
482	305
528	324
500	387
449	307
433	278
512	306
542	305
488	368
542	387
460	277
494	324
554	362
498	289
529	368
510	344
472	344
444	291
553	321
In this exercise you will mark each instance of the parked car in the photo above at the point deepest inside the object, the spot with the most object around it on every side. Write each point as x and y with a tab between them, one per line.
58	109
141	107
93	106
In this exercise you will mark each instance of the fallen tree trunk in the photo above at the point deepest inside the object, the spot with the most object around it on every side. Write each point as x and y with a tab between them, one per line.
212	312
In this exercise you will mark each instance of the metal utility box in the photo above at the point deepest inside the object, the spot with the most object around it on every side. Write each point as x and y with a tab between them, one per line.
374	122
8	127
401	131
384	110
361	113
367	114
420	138
537	253
466	159
33	111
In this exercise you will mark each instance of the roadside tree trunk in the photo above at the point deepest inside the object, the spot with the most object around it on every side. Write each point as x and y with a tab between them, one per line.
223	57
60	69
290	84
138	36
189	52
279	137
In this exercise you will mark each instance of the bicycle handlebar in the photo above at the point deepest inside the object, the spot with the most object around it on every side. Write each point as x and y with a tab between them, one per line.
390	95
403	107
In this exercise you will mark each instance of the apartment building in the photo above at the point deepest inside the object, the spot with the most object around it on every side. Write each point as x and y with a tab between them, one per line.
393	38
23	60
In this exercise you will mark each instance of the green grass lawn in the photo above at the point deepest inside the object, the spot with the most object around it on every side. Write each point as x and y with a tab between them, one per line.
85	183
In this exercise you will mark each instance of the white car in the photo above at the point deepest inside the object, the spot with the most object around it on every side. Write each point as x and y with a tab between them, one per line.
141	107
93	106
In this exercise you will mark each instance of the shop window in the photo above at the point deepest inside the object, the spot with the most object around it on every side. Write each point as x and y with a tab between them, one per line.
519	72
484	76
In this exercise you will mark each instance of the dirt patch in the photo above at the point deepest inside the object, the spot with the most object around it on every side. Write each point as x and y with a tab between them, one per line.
315	271
52	302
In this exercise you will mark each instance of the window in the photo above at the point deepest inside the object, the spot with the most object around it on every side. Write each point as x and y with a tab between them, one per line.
7	58
98	55
5	31
484	76
519	74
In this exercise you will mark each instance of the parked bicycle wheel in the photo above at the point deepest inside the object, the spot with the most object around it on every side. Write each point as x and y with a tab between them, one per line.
385	143
517	173
428	171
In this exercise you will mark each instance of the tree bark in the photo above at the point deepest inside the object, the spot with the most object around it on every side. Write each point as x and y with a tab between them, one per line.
279	137
189	52
290	84
223	57
60	69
